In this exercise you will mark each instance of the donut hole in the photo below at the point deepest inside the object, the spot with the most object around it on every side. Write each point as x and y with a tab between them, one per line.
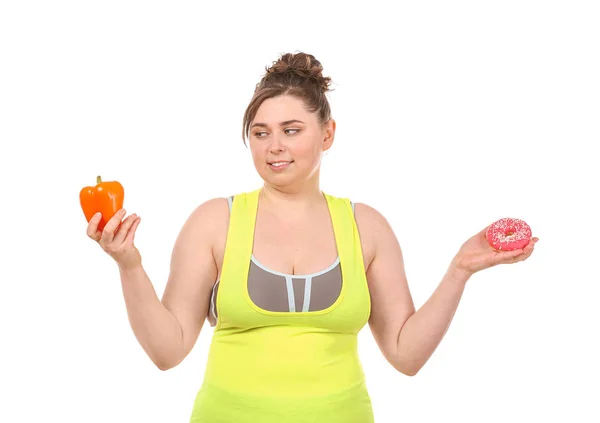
509	233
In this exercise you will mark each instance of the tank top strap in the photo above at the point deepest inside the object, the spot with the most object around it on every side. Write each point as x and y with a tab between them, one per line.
346	236
238	249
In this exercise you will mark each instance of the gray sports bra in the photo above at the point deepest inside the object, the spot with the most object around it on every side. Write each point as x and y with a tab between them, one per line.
276	291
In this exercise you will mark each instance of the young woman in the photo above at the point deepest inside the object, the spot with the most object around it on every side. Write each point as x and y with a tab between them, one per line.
288	275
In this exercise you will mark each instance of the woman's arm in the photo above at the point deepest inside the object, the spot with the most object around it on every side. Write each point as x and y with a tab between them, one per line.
167	330
407	338
423	331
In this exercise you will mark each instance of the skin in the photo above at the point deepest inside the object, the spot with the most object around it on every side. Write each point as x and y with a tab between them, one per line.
290	203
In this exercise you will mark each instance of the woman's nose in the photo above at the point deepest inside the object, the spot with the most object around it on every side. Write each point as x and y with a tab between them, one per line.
276	144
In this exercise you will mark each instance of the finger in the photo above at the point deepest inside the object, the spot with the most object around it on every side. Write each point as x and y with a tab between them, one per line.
109	230
92	228
527	255
131	233
507	257
529	247
123	228
528	251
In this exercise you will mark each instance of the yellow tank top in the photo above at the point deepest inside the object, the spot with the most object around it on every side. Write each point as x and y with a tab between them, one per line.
286	366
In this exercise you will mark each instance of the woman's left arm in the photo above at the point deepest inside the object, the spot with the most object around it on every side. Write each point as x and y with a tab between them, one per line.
408	338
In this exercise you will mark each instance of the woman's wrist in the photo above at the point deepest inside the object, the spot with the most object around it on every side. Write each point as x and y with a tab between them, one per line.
457	273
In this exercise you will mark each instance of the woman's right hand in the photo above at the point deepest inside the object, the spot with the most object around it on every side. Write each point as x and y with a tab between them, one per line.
117	238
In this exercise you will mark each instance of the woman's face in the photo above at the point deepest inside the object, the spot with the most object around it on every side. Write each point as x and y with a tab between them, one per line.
287	142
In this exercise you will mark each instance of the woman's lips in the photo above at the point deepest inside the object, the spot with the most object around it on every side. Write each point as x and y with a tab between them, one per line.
280	165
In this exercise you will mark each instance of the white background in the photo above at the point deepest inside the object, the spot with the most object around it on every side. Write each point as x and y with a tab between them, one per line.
450	115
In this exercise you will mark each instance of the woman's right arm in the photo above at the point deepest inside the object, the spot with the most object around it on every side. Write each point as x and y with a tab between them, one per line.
167	330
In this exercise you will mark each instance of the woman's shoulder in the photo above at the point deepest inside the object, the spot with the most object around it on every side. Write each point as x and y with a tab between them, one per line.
211	207
369	217
209	217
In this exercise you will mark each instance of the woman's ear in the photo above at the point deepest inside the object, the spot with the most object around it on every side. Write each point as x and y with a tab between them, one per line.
329	134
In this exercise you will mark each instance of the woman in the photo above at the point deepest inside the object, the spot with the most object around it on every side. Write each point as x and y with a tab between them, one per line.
288	275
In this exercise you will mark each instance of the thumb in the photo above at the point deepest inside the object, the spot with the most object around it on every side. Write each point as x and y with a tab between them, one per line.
483	232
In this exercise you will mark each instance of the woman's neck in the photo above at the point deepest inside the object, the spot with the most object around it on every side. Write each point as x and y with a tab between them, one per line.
290	202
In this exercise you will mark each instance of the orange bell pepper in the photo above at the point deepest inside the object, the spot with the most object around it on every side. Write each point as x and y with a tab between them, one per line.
106	198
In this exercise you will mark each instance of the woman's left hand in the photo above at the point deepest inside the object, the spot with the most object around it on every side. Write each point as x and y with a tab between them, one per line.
476	254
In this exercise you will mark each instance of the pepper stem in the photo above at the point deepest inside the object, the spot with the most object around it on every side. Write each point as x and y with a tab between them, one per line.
98	179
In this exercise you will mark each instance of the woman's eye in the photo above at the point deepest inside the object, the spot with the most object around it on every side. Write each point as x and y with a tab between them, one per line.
287	131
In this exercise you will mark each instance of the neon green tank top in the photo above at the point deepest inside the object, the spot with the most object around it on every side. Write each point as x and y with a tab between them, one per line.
281	366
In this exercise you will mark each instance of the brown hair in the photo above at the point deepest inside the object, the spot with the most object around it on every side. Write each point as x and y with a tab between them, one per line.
297	74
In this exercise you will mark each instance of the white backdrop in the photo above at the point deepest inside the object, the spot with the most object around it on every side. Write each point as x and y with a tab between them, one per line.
450	115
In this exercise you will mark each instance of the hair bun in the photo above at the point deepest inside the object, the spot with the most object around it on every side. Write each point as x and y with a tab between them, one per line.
301	65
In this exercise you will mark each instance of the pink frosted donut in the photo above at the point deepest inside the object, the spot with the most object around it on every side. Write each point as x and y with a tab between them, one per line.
508	234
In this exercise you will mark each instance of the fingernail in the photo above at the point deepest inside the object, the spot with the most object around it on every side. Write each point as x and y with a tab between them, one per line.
98	215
